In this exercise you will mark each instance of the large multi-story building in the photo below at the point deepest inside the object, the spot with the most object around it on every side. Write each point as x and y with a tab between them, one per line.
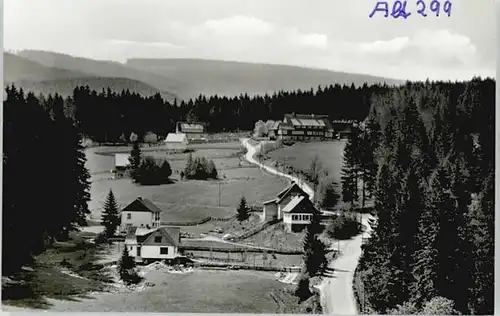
193	131
304	127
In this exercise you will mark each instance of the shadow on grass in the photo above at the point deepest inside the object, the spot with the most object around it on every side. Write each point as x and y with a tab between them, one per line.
155	183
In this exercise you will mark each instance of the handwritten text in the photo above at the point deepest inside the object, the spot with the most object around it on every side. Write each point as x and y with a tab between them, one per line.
401	8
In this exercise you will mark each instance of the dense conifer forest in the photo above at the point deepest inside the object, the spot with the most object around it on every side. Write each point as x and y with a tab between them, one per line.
427	152
105	116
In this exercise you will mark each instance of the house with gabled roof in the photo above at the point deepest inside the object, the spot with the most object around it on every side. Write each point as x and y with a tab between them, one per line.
305	127
298	213
145	244
275	209
140	213
176	142
193	130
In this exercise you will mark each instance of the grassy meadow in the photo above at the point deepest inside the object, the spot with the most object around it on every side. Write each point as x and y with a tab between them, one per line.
300	155
186	200
201	291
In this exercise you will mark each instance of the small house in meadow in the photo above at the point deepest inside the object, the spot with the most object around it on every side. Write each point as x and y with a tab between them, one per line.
176	142
121	164
161	243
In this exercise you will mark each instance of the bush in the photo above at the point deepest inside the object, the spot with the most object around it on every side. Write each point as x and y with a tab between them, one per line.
133	137
150	138
302	291
200	168
327	194
440	306
343	227
405	309
151	172
101	238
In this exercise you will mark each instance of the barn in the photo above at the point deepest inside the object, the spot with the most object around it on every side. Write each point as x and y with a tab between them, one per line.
176	142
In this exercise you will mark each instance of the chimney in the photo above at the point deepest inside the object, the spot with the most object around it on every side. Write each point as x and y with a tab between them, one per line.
139	198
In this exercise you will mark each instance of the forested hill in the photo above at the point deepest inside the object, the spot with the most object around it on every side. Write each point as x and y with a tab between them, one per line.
426	154
230	78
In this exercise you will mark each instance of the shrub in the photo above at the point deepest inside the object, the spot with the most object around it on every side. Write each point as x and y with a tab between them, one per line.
343	227
151	172
200	168
405	309
101	238
133	137
150	138
302	291
327	194
440	306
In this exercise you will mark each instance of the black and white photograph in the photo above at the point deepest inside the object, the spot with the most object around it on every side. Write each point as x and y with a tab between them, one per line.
237	156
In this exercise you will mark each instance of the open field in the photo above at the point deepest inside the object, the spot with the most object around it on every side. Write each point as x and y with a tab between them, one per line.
187	200
300	155
201	291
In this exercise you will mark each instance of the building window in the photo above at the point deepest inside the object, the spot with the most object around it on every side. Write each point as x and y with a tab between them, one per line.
157	239
164	251
129	215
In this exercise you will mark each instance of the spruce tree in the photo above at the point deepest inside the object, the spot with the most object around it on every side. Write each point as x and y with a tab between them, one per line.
110	217
483	225
126	267
349	175
135	161
243	213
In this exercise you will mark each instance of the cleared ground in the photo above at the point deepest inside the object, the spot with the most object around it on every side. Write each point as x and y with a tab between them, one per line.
187	200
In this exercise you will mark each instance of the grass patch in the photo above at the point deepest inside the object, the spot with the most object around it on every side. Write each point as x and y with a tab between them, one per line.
65	271
288	302
202	291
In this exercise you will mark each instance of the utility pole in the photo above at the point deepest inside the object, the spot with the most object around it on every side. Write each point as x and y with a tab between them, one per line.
219	191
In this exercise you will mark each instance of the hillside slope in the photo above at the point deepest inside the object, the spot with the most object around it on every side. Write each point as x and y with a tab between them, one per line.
233	78
100	68
40	77
188	78
18	68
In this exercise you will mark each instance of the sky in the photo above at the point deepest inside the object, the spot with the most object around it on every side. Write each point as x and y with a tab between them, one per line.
329	34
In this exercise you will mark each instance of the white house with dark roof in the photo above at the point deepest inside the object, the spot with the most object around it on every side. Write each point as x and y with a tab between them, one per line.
141	213
292	206
176	142
145	244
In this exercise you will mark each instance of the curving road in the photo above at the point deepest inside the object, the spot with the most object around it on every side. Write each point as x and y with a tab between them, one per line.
337	296
252	150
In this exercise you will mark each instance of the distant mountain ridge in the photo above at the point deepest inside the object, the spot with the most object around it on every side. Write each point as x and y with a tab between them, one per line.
179	78
232	78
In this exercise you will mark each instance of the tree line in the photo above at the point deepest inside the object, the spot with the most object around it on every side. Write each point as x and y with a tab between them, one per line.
425	154
107	116
46	185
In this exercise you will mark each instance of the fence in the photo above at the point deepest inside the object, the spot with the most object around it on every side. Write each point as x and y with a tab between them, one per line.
236	249
208	265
